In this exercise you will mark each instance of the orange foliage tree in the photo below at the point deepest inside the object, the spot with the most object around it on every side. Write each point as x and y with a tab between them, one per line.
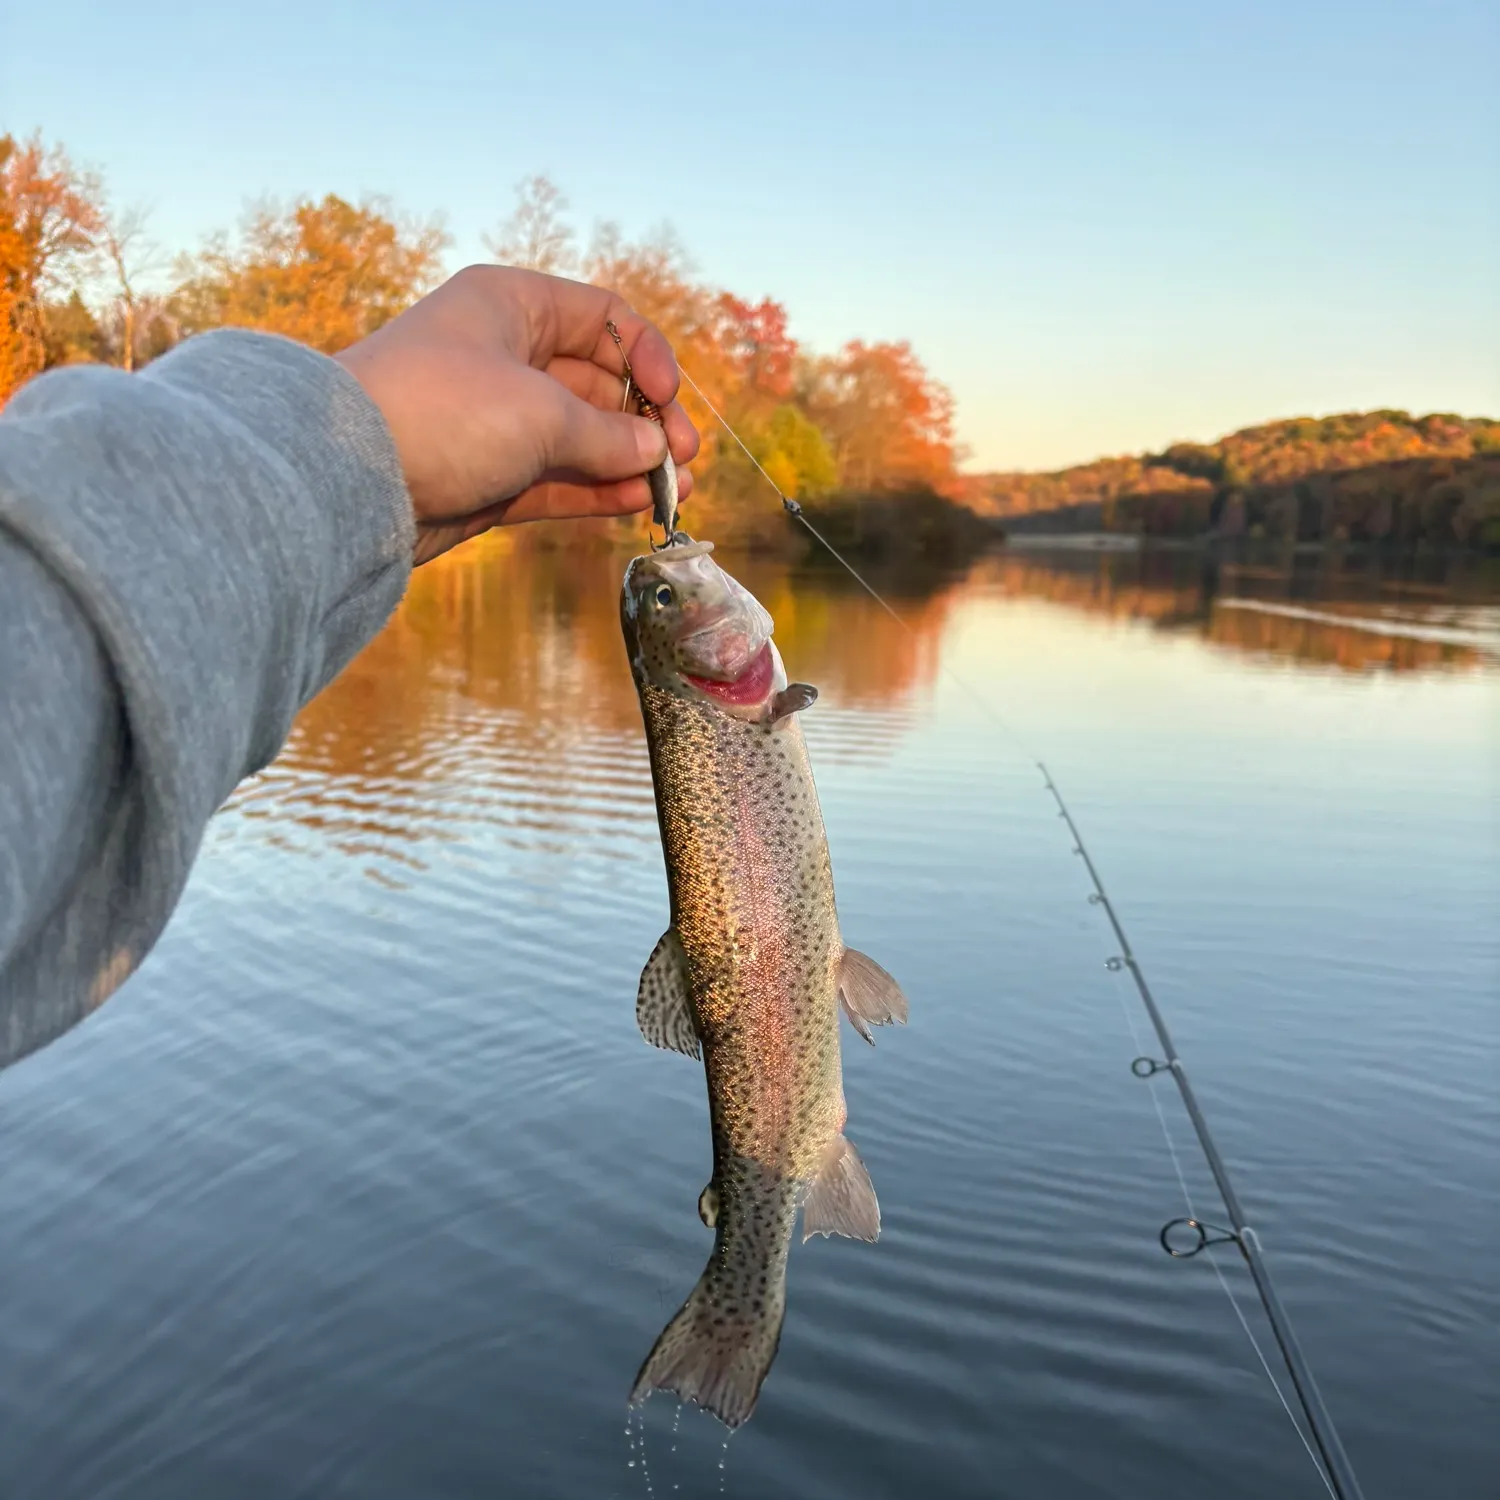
329	272
871	418
324	273
759	351
889	423
49	219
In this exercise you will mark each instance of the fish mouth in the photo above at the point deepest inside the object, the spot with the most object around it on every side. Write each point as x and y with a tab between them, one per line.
750	686
725	642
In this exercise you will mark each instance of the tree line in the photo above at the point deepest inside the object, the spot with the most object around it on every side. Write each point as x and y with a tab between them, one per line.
868	430
80	280
1377	477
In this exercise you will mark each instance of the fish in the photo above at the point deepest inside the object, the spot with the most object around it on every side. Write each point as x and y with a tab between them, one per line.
752	973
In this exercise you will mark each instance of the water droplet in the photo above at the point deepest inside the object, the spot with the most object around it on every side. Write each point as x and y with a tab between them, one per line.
1095	898
1114	964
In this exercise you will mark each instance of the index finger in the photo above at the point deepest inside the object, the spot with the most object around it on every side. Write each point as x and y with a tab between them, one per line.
579	314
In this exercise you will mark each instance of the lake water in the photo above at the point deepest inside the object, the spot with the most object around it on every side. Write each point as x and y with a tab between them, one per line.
366	1185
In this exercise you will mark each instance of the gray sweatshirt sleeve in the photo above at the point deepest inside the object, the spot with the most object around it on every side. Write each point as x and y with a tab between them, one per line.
187	555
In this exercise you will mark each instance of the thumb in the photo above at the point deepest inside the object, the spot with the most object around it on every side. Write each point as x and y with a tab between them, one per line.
603	445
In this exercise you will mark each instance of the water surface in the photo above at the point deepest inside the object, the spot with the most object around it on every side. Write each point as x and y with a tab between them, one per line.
366	1186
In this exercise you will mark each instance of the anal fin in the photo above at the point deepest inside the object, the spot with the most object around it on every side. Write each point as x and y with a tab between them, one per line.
662	1010
841	1199
869	996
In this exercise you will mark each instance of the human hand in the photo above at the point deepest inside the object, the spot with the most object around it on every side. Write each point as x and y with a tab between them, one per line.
502	391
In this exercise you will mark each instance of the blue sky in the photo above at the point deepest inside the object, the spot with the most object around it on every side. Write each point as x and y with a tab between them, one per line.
1105	226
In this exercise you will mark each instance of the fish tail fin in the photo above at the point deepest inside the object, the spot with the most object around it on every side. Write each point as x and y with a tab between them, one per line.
715	1355
717	1350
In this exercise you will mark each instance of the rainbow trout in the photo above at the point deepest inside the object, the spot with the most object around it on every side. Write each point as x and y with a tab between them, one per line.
752	973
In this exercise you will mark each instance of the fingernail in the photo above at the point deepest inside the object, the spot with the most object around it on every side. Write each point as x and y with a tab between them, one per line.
651	443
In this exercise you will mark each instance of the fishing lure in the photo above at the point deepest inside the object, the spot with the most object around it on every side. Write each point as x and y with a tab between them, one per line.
663	478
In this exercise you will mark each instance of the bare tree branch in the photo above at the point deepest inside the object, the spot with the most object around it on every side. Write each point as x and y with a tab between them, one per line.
536	235
129	257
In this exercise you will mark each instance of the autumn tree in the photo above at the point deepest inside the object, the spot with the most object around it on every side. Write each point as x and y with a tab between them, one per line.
536	236
757	366
759	350
794	454
889	423
325	273
870	418
49	221
71	334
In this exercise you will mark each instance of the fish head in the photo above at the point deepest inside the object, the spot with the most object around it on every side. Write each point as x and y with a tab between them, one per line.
696	632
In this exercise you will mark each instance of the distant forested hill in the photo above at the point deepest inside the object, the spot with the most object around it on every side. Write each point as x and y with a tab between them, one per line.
1361	476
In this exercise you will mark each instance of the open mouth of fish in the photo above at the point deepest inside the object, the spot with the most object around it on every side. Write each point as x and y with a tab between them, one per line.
750	686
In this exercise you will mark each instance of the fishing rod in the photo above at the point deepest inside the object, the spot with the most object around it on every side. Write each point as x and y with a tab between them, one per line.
1330	1459
1335	1461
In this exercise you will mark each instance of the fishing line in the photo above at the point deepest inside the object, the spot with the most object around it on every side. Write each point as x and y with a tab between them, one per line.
1330	1460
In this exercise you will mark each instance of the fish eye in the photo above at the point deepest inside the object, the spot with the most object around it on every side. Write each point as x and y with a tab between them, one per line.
662	593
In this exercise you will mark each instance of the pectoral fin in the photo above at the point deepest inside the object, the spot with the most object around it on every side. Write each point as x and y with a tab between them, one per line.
792	699
869	995
661	1004
841	1199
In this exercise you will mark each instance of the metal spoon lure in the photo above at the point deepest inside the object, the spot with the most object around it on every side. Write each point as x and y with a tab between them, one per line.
663	478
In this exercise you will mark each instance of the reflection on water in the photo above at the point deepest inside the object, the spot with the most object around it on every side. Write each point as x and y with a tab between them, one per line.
500	679
516	644
531	637
366	1187
1371	613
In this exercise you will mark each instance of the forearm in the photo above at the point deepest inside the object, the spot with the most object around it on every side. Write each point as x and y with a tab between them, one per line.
186	557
